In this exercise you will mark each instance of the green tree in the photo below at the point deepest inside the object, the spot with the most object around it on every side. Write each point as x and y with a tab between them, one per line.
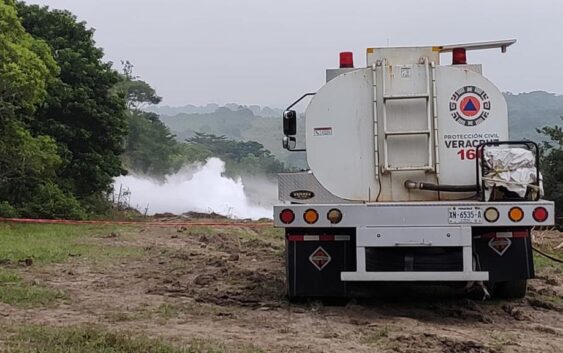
137	93
552	166
26	65
150	147
28	162
81	111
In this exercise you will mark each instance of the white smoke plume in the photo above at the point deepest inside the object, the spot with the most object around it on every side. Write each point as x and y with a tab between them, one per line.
200	188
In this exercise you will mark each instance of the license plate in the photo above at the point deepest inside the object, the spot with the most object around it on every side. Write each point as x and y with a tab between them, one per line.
465	215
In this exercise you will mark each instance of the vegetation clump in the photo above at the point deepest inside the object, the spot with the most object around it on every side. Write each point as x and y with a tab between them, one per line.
70	123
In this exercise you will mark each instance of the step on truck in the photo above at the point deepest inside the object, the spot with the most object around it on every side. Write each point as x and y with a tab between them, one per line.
412	178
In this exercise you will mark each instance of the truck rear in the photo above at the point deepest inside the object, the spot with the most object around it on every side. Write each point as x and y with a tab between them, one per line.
412	178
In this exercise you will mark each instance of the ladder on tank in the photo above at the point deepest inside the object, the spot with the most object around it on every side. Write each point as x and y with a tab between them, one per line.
429	132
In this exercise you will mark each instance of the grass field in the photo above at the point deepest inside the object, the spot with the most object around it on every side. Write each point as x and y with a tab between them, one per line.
23	246
43	244
28	247
129	289
96	339
15	291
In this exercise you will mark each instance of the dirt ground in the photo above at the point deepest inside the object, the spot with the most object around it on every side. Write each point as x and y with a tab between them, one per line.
227	286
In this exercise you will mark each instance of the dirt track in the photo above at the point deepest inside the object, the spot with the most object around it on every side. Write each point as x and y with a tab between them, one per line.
227	286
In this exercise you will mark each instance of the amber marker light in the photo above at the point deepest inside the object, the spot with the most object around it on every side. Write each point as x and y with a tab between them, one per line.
334	216
515	214
492	214
311	216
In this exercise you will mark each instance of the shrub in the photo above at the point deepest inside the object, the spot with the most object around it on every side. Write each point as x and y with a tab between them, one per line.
7	211
49	201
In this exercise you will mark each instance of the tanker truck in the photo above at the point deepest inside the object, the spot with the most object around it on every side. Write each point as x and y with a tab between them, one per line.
412	177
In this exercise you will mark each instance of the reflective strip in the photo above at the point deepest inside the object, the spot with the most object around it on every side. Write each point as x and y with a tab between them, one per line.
520	234
515	234
318	237
342	237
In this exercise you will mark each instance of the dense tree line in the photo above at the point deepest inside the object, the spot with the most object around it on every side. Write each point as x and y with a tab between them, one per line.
552	167
54	97
241	157
70	123
62	125
151	149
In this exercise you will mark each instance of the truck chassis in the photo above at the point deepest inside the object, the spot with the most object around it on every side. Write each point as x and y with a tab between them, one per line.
398	241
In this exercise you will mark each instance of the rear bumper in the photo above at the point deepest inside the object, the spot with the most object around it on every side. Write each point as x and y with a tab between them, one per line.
411	214
414	276
334	262
414	237
423	225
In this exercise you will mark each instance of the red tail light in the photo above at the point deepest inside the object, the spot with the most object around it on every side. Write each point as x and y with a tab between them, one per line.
459	57
540	214
346	59
287	216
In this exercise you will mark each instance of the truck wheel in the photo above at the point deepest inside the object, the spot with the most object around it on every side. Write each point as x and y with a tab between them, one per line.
295	300
335	301
511	289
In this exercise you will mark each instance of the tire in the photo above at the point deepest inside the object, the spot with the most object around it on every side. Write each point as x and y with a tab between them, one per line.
511	289
337	302
295	300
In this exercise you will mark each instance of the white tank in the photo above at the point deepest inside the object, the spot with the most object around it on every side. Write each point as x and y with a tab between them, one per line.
403	117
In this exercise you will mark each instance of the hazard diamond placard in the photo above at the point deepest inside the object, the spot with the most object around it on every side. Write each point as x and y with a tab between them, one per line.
500	244
320	258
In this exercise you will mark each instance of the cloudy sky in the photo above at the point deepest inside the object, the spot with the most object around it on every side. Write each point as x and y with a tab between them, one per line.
268	52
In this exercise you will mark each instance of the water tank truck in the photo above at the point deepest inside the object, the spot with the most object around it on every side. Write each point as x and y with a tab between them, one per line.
412	178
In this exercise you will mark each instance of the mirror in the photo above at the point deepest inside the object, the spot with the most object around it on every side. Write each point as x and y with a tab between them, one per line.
289	143
289	122
292	143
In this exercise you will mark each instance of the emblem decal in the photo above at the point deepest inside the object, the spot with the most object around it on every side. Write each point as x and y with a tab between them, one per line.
320	258
470	106
500	244
302	194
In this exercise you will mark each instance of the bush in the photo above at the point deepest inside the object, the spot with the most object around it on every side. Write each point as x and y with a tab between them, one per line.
7	211
49	201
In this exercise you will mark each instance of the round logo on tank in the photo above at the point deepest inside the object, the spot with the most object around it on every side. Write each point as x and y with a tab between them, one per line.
470	106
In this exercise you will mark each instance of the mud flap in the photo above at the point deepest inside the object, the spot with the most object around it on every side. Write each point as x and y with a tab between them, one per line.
505	258
315	260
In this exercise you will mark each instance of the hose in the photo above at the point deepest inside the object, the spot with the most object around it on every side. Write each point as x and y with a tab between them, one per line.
409	184
552	258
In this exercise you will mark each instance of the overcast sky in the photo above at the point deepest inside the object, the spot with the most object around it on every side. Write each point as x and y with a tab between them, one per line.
268	52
